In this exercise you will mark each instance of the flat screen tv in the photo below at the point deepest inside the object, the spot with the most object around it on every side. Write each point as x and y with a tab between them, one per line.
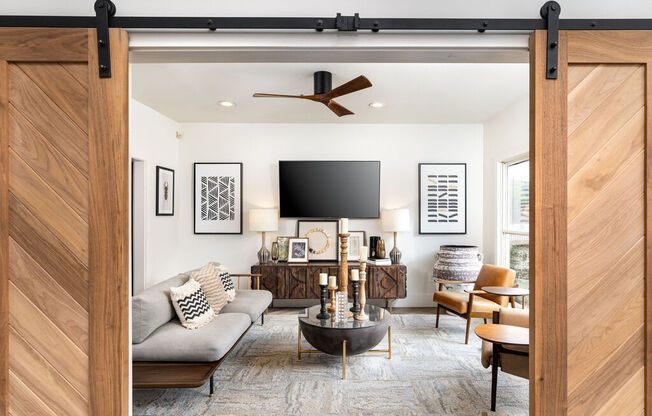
329	189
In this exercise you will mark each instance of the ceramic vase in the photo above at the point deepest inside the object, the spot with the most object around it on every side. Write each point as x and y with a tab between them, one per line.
459	263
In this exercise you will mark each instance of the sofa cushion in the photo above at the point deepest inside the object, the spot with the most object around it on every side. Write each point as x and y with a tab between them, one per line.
212	286
153	308
173	342
191	305
251	302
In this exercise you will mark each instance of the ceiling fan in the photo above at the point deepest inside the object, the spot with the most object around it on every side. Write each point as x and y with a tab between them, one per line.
324	94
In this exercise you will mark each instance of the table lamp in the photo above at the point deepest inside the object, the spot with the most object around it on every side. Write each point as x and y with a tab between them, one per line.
263	220
395	220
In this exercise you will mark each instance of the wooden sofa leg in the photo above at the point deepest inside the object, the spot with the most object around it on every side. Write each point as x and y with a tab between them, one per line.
212	384
437	321
468	328
262	319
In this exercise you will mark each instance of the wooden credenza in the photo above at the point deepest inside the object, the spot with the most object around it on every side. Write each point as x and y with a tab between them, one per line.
301	281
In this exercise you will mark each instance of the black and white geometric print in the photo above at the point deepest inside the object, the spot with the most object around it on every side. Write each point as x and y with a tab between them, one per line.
217	198
194	305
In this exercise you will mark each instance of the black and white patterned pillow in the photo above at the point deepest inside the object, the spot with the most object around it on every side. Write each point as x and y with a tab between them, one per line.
227	282
191	305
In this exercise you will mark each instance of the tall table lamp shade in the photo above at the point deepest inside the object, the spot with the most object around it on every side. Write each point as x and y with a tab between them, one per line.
395	220
263	220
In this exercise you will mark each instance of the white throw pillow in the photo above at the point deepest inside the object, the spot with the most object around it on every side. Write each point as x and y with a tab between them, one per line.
223	274
191	305
212	286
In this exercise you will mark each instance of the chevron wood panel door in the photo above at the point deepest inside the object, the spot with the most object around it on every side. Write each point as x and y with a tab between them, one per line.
591	307
63	225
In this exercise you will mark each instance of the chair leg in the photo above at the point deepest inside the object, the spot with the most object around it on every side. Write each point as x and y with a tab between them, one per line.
437	321
485	320
468	328
494	377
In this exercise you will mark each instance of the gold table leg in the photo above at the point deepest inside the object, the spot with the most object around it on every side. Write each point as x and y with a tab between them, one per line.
344	360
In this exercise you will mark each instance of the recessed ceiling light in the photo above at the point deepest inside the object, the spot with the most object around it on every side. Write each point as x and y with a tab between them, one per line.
376	104
226	103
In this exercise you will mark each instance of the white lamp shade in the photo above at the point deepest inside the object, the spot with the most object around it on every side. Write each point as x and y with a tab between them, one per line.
263	219
396	220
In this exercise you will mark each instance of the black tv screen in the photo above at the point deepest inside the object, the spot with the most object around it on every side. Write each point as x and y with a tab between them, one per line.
331	189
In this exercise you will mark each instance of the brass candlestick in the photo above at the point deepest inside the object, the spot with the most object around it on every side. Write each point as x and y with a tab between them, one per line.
331	307
363	297
344	265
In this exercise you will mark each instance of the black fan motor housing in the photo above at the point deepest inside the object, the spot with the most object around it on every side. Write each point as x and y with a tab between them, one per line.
323	82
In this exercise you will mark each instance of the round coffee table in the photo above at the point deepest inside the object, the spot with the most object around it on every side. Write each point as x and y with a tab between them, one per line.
349	336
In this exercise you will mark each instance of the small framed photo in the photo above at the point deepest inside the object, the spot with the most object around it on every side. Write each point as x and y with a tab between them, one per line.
217	194
323	238
356	240
283	243
164	191
298	250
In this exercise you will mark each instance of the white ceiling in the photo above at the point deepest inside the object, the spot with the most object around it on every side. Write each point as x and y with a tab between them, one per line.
411	92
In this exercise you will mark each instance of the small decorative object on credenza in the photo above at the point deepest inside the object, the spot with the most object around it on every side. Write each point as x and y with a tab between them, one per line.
380	249
332	287
380	262
344	266
275	254
456	262
373	240
355	282
323	284
396	220
283	248
341	302
362	316
298	250
263	220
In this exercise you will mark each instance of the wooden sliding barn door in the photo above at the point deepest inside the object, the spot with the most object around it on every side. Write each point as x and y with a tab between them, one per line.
591	171
63	224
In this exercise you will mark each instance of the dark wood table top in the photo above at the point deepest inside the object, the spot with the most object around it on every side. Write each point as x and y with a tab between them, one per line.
503	334
506	291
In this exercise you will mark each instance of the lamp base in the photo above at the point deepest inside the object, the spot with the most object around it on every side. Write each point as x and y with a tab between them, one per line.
395	255
263	255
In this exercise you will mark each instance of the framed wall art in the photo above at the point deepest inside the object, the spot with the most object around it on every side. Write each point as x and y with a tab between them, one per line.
323	238
356	240
442	198
217	194
283	243
164	191
298	250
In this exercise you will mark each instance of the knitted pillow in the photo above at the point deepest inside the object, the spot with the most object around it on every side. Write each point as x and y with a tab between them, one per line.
227	282
191	305
212	286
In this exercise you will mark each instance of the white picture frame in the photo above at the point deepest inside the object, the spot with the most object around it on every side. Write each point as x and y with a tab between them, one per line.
442	198
298	250
356	240
323	238
217	195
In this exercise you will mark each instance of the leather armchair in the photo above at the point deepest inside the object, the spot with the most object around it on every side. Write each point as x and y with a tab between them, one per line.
516	364
476	303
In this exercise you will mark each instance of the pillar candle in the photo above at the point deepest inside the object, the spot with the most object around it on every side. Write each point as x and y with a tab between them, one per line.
344	226
323	278
364	253
332	281
355	275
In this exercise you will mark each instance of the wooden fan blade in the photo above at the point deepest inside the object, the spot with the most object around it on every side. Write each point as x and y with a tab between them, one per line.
338	109
307	97
354	85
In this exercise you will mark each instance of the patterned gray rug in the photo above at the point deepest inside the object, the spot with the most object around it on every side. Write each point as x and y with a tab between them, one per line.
431	372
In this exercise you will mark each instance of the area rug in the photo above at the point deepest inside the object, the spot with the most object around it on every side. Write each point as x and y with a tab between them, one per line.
431	372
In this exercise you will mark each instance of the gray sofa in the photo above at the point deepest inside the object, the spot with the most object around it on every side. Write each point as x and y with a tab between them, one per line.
161	346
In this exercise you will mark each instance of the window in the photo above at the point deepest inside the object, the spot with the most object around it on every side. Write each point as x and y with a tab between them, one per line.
515	219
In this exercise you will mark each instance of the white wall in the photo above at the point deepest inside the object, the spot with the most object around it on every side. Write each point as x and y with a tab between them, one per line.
506	135
399	148
152	138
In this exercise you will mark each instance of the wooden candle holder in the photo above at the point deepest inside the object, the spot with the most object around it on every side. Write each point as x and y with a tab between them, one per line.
344	265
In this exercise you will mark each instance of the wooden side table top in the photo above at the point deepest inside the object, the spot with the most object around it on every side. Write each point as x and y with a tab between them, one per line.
506	291
503	334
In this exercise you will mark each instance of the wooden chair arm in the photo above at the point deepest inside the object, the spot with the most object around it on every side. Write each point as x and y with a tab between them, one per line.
454	282
249	276
476	292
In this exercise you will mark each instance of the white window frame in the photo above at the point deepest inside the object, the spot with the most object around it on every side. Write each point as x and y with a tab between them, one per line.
503	216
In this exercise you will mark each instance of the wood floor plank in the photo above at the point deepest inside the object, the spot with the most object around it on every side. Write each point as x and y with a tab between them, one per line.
615	216
49	207
629	400
62	88
605	336
23	401
49	163
594	90
48	118
577	73
50	253
591	178
47	295
43	379
35	327
79	70
601	386
605	121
